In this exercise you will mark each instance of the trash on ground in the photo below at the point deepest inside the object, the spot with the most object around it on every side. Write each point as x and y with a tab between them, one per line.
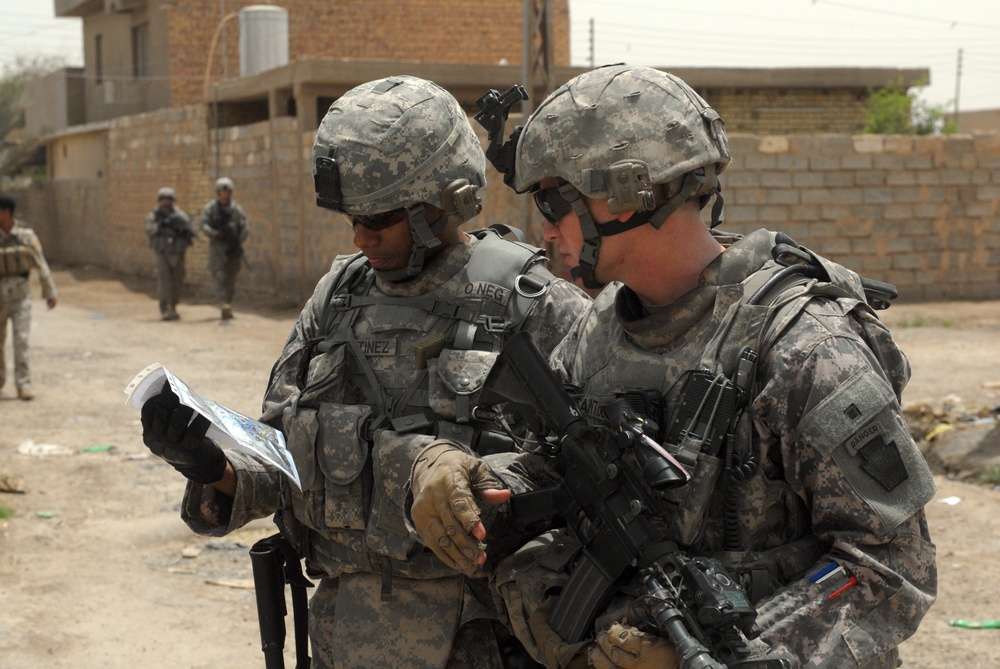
29	447
11	484
191	552
937	431
950	501
982	625
46	514
241	583
100	448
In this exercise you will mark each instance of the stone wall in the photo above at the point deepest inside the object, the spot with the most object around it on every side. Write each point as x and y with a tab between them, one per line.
923	213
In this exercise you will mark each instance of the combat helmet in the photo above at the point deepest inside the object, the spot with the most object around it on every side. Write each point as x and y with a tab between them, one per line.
394	143
224	183
637	137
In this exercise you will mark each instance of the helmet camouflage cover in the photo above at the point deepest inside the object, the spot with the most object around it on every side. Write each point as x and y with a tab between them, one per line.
614	131
398	142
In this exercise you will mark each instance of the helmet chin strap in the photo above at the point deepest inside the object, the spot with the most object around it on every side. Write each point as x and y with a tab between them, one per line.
693	185
592	233
425	244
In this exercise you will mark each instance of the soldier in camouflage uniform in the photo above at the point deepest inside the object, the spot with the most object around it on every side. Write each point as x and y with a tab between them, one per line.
20	252
170	233
225	224
390	352
815	472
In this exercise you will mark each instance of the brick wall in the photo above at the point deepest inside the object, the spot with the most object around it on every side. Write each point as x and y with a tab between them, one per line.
920	212
384	29
788	111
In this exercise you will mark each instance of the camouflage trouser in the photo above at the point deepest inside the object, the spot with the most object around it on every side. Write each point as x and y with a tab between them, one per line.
19	314
224	271
415	629
169	280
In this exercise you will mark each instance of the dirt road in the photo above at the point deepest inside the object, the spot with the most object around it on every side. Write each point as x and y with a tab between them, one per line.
98	571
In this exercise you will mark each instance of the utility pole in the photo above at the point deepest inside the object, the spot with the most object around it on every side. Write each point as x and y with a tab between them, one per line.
538	79
591	42
958	84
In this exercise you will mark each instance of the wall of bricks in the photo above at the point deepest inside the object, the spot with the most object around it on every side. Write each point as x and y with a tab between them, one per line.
920	212
384	29
789	111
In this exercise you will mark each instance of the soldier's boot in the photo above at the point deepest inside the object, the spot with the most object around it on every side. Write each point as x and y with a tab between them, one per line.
25	394
227	311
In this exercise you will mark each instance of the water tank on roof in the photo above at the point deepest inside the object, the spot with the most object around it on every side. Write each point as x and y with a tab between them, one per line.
263	38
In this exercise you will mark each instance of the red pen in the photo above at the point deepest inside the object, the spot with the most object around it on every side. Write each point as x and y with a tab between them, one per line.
851	581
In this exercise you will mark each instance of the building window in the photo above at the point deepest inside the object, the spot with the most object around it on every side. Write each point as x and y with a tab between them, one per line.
98	60
140	51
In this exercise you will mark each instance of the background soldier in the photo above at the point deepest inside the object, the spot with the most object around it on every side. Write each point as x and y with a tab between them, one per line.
390	351
170	233
225	223
20	252
768	377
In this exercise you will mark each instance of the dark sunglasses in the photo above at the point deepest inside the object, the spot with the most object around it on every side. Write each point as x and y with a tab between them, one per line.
552	204
379	222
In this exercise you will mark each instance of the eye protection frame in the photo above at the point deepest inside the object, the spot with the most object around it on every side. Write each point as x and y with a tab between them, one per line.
552	204
379	222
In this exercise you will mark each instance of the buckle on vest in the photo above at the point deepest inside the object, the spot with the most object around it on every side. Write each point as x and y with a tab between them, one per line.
494	324
341	301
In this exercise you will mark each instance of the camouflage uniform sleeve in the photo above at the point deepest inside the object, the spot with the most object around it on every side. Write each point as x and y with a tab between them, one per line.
44	273
242	224
258	486
846	452
205	220
151	226
553	315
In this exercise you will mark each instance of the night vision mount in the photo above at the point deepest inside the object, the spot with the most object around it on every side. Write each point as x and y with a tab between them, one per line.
493	111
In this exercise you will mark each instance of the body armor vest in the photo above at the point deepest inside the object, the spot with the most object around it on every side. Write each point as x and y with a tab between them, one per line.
700	392
17	257
388	376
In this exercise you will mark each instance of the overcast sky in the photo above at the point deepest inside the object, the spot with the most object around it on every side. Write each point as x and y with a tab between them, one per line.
722	33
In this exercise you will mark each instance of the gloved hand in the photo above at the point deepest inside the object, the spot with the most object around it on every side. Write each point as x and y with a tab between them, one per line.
169	432
444	509
558	653
626	647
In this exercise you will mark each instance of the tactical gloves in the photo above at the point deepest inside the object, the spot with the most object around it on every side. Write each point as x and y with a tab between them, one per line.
169	432
619	647
444	509
626	647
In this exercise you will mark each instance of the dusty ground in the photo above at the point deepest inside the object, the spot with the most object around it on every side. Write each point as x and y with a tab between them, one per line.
93	566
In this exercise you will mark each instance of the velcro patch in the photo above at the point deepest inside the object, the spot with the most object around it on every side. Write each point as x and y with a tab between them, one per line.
882	462
484	290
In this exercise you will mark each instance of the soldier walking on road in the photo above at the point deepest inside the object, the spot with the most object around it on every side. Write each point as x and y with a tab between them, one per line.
225	223
20	252
170	233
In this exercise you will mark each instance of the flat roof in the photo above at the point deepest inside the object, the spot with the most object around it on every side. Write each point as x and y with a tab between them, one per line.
334	76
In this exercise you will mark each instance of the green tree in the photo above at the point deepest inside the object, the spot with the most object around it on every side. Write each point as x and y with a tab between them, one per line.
898	110
15	147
